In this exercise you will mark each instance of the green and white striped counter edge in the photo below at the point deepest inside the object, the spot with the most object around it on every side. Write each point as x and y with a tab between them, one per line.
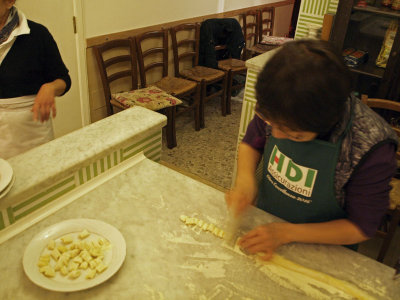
249	103
312	12
150	145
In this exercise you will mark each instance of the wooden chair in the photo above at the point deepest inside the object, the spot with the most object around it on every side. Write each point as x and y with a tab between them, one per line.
266	28
232	67
188	48
117	63
227	36
267	19
392	217
251	29
179	87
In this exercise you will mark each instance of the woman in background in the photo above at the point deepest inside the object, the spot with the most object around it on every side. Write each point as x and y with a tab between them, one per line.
32	74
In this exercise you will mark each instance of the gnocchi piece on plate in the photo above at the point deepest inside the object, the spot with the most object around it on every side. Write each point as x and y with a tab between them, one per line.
84	234
47	271
66	239
71	257
74	274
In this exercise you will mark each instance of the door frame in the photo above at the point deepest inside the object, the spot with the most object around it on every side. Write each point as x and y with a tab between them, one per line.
80	38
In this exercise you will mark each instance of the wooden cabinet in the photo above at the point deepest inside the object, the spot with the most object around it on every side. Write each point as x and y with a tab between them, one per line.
364	28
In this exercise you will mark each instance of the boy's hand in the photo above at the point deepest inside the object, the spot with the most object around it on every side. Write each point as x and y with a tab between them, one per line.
242	195
264	239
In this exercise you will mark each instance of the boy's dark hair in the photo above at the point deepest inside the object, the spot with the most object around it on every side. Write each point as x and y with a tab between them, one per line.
304	86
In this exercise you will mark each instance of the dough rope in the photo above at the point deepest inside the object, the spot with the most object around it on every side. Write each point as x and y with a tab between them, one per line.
305	278
342	285
289	268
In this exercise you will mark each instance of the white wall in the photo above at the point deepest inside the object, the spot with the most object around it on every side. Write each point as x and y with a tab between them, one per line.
105	16
283	15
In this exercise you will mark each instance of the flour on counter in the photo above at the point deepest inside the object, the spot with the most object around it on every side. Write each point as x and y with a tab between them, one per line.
181	239
191	287
241	288
154	294
212	255
161	203
212	220
221	291
210	269
377	288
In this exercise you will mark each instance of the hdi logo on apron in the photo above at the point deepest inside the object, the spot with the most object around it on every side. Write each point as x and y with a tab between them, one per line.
294	177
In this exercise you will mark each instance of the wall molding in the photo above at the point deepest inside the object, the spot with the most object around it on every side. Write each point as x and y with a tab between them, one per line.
128	33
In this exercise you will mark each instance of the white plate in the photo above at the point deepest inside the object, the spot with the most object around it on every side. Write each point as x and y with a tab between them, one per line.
114	257
8	188
6	174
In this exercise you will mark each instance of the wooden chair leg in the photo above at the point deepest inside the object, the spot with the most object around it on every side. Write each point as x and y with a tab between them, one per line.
223	94
229	91
197	103
203	94
171	133
394	222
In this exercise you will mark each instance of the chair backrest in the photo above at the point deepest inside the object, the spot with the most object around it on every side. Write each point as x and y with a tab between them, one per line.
116	60
152	53
250	29
186	47
267	16
387	105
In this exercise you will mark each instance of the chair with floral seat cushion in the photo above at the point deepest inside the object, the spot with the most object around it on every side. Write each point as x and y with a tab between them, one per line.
152	50
266	29
266	40
117	64
391	219
185	46
151	97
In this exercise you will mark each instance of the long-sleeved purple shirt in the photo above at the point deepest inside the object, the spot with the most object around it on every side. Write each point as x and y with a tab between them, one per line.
367	191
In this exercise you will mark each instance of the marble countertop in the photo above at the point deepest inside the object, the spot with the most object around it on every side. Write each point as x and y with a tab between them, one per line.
42	166
167	260
257	63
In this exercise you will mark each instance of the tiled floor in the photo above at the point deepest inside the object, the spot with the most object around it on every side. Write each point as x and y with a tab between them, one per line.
209	154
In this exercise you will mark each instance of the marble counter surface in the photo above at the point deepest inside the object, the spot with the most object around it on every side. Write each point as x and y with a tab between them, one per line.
168	260
45	165
257	63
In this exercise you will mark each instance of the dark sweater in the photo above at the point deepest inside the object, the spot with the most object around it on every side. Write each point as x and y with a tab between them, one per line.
214	32
33	60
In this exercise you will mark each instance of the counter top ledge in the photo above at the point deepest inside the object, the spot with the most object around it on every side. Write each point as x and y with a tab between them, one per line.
43	166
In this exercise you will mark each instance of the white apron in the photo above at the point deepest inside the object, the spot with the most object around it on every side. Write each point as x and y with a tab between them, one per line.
18	131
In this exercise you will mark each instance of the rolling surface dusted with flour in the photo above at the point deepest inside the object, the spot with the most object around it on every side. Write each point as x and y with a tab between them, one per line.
167	259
